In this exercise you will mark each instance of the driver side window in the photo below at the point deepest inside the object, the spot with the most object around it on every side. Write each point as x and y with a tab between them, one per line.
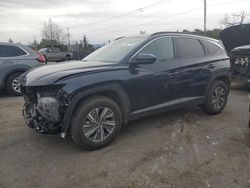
161	48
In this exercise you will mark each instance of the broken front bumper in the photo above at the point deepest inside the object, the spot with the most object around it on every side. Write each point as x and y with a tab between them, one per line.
43	116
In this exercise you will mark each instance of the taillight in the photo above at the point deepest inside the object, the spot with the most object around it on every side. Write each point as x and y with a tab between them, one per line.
41	57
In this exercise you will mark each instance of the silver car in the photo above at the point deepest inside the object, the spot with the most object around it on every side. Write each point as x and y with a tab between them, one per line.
15	59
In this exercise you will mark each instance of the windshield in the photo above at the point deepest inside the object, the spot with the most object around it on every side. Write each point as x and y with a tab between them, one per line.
115	51
42	50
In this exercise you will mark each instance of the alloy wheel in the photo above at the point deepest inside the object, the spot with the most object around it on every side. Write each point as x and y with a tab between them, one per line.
218	98
99	124
16	86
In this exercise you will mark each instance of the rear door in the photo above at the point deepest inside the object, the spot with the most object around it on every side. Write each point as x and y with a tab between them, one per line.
9	55
195	68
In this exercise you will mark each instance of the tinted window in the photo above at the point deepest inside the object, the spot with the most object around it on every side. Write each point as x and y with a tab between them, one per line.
14	51
211	48
3	52
161	48
189	48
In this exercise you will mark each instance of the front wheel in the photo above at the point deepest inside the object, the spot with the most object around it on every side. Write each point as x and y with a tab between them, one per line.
217	98
96	122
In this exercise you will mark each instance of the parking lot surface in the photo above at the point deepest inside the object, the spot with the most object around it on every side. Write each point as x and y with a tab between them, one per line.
181	148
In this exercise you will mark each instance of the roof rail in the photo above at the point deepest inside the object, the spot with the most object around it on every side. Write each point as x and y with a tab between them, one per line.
164	32
183	34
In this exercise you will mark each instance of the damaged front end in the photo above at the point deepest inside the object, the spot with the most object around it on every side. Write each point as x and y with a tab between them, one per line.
240	62
236	40
44	108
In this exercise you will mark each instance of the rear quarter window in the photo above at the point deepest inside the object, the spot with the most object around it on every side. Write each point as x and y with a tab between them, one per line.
189	48
210	47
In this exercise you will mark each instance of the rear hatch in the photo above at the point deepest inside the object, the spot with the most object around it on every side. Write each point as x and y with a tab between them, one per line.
236	40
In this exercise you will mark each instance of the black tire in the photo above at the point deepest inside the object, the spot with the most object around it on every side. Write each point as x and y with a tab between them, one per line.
67	58
46	60
209	106
10	89
80	119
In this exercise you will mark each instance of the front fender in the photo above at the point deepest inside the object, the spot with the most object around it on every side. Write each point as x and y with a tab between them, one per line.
74	101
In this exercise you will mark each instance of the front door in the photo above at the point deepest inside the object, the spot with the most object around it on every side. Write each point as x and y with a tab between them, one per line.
154	84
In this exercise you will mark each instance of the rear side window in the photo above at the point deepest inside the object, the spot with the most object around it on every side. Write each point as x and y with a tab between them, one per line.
210	47
3	51
11	51
161	48
189	48
14	51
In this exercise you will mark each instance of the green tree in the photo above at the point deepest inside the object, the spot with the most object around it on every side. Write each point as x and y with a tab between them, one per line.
48	43
85	42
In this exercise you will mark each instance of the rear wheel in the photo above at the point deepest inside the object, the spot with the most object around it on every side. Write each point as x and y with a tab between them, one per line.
96	122
217	98
13	86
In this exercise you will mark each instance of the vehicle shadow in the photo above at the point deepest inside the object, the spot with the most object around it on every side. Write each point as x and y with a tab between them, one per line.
165	120
140	127
6	95
241	87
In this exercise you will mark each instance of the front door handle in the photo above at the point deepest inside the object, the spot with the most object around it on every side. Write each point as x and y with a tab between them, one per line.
173	73
8	62
211	66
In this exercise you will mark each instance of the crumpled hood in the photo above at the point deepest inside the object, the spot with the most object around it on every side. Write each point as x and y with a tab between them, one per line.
235	36
49	74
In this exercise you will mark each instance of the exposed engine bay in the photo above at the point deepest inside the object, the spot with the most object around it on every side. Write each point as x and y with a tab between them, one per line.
236	40
43	111
241	66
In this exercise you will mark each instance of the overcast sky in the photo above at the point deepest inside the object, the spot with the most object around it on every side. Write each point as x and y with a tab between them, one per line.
102	20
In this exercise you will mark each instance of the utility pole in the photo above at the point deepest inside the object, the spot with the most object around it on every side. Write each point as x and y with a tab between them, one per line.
205	16
50	29
68	35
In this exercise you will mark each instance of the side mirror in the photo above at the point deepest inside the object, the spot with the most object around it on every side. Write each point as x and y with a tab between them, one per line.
144	59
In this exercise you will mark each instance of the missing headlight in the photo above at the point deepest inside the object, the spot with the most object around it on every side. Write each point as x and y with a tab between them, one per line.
49	108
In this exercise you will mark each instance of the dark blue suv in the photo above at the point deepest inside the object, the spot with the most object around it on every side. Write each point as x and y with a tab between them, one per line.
127	79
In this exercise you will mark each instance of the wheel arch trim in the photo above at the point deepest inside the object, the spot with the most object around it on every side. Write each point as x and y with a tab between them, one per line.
76	99
218	76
